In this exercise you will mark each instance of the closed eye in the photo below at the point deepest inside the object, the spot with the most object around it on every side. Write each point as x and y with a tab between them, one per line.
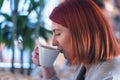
57	34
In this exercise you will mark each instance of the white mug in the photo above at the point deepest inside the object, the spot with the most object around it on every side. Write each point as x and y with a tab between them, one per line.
47	55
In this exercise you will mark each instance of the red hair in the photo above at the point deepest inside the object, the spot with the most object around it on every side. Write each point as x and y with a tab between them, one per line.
92	37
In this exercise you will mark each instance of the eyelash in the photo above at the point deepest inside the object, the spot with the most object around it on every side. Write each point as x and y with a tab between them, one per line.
58	34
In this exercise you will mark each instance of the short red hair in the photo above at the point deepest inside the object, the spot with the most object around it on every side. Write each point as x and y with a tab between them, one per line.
92	38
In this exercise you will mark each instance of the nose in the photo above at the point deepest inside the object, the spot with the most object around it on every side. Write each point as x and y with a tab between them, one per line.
54	41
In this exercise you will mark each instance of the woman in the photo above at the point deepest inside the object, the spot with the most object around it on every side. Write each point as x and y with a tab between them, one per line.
82	33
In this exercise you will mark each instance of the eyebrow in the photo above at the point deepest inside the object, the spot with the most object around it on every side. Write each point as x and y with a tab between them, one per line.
56	30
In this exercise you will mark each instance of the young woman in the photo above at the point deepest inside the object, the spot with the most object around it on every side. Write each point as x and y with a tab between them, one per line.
82	33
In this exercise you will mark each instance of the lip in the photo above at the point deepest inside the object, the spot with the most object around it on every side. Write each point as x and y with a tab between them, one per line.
60	50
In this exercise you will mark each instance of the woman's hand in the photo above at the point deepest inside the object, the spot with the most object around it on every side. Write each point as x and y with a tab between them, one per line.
48	72
35	56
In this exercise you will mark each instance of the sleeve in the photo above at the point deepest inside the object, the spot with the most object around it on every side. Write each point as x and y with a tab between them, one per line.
104	76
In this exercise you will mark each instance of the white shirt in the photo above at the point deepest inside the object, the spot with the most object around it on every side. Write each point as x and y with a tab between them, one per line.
108	70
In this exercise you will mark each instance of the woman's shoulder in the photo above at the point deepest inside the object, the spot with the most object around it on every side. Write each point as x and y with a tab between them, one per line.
108	70
113	66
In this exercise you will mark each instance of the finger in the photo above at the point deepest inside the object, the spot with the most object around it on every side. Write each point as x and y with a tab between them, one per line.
36	51
36	62
35	56
35	59
36	48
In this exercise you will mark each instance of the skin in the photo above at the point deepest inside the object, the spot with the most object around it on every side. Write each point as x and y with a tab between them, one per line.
61	39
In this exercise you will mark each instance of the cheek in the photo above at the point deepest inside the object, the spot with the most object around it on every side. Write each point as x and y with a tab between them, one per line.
67	48
63	43
66	44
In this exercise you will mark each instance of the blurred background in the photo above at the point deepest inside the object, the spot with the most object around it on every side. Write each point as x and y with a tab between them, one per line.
25	23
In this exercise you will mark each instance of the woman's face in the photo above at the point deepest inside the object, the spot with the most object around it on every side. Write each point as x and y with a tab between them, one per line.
61	38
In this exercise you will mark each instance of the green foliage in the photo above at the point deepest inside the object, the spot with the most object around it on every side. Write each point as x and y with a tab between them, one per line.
1	3
16	25
7	17
44	32
23	25
99	3
6	35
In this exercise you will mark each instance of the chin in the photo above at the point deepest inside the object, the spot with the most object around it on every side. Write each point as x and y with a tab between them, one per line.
65	56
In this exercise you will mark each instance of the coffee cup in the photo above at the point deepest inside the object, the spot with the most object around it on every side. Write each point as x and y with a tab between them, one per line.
47	55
